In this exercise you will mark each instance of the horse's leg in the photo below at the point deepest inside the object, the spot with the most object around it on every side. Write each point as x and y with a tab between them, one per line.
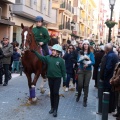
42	84
29	84
34	84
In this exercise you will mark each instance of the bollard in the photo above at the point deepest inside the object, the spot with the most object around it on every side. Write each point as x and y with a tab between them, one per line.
100	96
20	69
98	77
105	106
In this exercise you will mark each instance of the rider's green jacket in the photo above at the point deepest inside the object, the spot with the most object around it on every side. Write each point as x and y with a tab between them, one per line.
56	66
41	34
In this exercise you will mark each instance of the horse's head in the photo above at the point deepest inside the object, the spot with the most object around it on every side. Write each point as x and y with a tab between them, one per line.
23	35
30	39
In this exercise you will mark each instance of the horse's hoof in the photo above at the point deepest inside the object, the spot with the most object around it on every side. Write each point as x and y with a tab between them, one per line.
29	102
42	90
34	99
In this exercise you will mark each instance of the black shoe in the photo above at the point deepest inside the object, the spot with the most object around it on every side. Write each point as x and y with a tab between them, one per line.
115	115
51	111
78	98
5	84
85	104
55	113
118	118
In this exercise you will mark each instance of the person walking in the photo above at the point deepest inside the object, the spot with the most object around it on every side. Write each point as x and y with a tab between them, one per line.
7	49
55	71
85	72
70	59
16	60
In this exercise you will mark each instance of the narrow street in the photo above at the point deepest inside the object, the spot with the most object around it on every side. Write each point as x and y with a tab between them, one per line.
14	107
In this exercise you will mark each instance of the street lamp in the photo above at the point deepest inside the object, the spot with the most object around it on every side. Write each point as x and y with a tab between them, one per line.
112	3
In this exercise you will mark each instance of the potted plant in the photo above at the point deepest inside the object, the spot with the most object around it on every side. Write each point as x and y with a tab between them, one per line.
110	23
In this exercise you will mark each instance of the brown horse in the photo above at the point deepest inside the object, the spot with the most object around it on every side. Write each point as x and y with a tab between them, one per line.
30	62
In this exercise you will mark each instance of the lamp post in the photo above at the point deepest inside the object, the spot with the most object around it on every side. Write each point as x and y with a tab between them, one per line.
112	3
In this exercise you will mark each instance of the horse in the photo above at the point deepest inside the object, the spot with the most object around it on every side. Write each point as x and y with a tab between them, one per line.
30	61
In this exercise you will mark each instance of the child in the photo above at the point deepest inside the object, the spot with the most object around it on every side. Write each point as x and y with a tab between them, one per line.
16	58
41	34
55	71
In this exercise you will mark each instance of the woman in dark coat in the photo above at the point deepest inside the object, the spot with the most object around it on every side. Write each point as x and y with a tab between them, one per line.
98	58
70	58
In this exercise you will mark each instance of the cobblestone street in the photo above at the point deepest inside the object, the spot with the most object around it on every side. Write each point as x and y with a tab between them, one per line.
14	97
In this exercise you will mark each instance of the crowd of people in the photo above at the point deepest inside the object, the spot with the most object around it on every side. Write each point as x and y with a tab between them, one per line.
103	59
78	61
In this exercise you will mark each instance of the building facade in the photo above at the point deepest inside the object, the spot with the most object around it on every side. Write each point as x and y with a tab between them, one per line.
5	18
84	17
63	16
25	11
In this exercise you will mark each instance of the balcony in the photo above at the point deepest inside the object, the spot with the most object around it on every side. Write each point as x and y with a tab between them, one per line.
9	1
65	26
30	10
65	6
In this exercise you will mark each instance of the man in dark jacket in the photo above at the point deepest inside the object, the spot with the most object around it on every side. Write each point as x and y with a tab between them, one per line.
111	60
7	51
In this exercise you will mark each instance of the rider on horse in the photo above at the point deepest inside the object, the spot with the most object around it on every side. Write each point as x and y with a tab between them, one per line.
41	34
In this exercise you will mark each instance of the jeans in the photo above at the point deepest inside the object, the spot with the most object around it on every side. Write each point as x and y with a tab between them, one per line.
83	82
15	66
6	70
68	79
54	85
45	48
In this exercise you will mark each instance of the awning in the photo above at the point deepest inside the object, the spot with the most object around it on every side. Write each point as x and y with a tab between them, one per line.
53	33
6	22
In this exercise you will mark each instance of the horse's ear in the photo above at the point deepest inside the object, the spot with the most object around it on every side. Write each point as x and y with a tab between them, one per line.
31	27
22	26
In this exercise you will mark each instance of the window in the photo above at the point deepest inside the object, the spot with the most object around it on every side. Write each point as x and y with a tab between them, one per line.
39	5
47	7
28	3
18	1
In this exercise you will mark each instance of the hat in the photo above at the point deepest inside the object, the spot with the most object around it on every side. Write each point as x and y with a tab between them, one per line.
39	18
86	42
5	37
57	47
